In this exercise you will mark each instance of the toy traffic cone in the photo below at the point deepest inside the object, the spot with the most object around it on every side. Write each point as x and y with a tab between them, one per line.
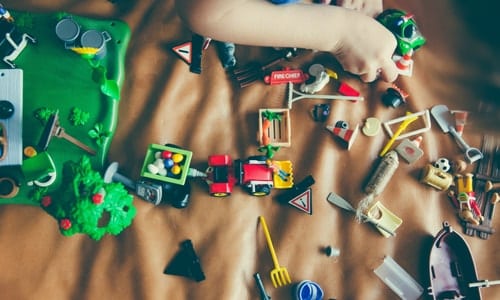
347	135
460	120
417	141
404	63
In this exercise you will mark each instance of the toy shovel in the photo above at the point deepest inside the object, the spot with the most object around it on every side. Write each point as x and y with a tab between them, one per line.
442	115
279	275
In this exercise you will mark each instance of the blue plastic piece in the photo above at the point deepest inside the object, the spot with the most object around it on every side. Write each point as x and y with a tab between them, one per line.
278	2
308	290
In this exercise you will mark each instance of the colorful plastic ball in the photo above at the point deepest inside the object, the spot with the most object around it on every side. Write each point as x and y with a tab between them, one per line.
177	158
169	162
443	164
166	154
176	169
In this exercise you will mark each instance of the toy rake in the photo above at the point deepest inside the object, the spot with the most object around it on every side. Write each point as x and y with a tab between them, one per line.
279	275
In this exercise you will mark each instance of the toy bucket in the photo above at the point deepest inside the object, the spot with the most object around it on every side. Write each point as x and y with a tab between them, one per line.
96	39
67	30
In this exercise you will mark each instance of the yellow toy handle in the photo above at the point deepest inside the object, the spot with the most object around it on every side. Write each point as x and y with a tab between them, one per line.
398	132
269	241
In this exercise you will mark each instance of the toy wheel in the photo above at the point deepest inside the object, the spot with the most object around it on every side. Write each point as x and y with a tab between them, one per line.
220	195
262	190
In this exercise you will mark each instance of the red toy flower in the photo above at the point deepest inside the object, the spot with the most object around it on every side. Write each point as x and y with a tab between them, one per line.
65	224
98	198
46	201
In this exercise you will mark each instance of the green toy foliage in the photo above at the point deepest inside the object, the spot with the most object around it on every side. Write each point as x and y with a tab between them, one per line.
99	75
78	117
86	204
43	114
24	20
269	150
99	134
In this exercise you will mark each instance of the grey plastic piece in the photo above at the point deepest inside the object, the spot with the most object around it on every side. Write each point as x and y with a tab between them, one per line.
398	280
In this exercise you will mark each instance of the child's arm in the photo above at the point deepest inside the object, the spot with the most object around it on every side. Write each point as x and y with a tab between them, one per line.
368	7
361	44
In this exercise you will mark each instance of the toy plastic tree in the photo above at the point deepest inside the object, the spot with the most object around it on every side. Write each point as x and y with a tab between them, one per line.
86	204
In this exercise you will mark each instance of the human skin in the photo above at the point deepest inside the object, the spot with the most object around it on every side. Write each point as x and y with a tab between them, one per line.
369	7
362	45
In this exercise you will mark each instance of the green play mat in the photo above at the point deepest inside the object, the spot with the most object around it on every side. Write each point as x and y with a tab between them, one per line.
84	91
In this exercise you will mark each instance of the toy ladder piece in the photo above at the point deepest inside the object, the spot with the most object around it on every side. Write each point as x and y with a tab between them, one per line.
488	169
294	95
279	275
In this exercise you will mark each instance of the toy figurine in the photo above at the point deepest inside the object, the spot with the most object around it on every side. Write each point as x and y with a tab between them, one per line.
404	28
277	170
468	209
13	42
5	14
407	35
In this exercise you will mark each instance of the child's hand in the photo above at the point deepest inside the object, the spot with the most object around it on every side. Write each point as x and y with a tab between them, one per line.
368	7
366	48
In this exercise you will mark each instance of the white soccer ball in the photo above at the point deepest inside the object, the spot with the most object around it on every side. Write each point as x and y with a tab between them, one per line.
443	164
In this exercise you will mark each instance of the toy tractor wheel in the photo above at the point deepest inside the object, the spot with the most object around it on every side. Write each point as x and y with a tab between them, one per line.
261	190
220	194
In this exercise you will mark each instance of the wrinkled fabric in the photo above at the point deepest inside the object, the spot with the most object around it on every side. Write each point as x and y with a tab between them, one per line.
162	102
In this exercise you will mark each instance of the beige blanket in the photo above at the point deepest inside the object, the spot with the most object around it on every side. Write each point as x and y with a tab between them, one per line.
162	102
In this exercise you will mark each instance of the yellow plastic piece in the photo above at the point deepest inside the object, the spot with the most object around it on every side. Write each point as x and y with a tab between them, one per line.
398	132
382	217
279	275
286	166
29	151
332	73
85	50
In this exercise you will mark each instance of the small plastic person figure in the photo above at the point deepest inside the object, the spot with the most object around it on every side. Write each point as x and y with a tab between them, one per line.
467	200
5	14
277	170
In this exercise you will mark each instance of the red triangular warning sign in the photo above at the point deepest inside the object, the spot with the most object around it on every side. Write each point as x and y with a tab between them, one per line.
184	51
303	201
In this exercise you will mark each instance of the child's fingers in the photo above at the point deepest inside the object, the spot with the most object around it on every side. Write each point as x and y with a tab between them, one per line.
389	72
370	76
